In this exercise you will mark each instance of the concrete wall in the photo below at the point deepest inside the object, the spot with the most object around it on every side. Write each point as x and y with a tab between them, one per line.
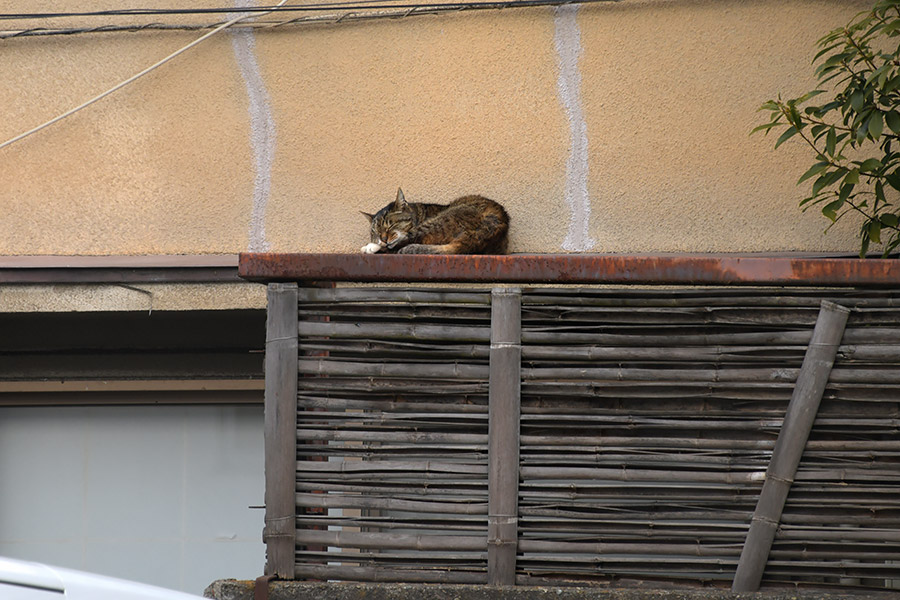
141	297
291	590
612	127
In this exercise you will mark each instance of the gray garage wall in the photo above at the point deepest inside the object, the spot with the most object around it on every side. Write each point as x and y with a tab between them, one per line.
158	494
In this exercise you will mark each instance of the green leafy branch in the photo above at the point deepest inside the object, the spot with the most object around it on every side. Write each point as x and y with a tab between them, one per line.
860	118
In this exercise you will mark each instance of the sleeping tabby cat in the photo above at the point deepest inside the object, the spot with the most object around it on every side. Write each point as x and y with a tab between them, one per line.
468	225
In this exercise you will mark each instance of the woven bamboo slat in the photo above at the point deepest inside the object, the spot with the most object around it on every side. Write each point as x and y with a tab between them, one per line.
648	419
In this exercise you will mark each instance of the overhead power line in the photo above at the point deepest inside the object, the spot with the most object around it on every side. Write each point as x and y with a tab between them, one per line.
359	9
125	12
336	12
131	79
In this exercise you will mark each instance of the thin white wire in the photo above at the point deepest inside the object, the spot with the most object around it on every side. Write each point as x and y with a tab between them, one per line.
137	76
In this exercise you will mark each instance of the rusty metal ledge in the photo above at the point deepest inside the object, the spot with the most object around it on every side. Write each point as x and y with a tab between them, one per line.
681	269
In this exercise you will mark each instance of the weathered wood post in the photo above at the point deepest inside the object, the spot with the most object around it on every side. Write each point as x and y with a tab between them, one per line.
503	434
798	422
281	428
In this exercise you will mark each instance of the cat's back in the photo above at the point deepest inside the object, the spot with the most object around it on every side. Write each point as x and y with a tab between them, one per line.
484	206
478	225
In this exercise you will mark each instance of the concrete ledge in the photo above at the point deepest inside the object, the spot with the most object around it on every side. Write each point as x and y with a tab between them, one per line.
231	589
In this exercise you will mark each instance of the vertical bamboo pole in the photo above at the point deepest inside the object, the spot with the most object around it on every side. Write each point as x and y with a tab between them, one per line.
503	434
798	422
280	428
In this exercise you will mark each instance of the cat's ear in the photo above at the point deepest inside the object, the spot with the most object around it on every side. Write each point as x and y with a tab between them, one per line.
367	215
400	202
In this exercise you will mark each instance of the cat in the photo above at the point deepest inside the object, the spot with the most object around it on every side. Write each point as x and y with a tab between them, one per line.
468	225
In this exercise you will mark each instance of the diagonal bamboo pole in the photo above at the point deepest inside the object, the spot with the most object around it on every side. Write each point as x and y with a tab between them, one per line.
798	422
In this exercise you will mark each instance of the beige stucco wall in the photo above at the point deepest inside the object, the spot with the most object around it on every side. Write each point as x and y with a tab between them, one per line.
275	140
144	297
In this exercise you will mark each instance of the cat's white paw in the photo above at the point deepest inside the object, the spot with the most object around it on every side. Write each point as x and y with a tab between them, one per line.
371	248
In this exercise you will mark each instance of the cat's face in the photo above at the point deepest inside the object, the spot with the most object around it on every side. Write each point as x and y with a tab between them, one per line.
391	225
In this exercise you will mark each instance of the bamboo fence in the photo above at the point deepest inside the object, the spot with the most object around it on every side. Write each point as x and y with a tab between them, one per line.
647	419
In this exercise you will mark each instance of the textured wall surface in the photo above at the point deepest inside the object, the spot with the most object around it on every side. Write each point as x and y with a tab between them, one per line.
613	127
230	589
142	297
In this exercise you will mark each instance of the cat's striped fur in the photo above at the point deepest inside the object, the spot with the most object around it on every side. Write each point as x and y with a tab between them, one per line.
468	225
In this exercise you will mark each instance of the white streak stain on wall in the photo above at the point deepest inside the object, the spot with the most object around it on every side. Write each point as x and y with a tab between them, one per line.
567	38
262	131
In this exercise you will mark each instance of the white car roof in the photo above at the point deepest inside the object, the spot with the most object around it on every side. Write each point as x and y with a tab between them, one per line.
78	585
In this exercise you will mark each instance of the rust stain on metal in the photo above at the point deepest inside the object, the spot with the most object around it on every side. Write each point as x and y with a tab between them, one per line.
572	268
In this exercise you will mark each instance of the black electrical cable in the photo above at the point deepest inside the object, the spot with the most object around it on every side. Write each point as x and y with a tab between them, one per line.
352	10
185	11
354	5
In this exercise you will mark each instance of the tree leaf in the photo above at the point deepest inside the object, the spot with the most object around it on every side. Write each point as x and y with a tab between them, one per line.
861	132
835	60
846	189
829	107
869	165
810	94
825	50
813	170
893	180
793	116
889	220
765	126
857	100
890	29
830	209
876	125
882	77
892	84
834	34
877	73
827	179
813	201
818	184
788	134
831	141
893	121
875	231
